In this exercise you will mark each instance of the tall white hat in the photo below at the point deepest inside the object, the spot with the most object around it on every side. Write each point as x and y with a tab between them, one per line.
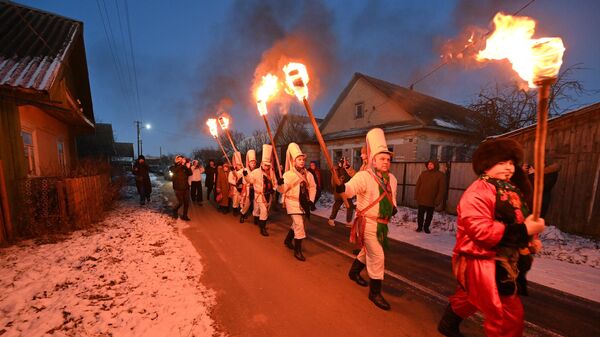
237	159
267	153
293	152
376	144
250	156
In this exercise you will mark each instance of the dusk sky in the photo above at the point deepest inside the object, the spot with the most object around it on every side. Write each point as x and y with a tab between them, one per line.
193	57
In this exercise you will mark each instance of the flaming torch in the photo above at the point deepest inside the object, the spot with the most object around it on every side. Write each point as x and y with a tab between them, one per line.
296	78
224	122
212	126
538	62
267	90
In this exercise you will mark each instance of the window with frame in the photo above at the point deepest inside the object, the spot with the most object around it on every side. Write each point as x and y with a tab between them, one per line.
359	110
433	152
29	152
62	159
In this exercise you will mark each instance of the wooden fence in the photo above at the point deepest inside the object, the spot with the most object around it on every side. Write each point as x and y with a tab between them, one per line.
459	176
50	203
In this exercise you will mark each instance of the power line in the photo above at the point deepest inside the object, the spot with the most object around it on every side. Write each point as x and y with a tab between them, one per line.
137	90
441	65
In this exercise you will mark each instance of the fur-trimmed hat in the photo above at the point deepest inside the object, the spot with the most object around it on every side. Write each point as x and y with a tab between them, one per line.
493	151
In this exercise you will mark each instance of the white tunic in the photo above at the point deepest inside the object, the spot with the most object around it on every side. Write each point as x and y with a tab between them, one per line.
256	179
291	190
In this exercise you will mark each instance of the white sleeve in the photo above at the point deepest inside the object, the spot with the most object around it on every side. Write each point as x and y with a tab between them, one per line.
356	185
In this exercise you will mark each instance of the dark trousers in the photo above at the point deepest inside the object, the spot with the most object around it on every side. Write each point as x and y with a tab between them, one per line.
210	187
318	195
336	207
183	198
424	210
196	190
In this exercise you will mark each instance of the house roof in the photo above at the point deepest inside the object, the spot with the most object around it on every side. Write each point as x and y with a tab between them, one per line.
429	112
305	135
101	143
585	110
124	150
33	45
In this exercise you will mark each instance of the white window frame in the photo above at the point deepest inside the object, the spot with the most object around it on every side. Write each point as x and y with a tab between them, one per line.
33	167
62	160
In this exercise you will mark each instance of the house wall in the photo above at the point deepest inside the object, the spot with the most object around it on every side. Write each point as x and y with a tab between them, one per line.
47	132
378	110
11	152
574	143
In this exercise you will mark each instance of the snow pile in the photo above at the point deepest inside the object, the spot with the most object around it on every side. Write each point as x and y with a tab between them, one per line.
134	274
558	245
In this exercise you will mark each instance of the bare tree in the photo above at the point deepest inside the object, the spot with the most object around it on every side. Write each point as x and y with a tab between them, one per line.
292	128
505	107
207	153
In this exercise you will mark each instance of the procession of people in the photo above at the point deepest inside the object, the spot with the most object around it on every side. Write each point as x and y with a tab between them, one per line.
496	235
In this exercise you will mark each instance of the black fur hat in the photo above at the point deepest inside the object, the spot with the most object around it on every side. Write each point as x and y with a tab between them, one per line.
493	151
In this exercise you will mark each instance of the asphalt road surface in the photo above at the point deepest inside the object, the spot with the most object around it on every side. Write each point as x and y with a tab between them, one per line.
262	290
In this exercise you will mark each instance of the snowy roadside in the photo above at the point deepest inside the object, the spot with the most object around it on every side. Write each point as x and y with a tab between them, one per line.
568	262
133	274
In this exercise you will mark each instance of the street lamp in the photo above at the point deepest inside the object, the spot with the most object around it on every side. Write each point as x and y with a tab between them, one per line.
139	138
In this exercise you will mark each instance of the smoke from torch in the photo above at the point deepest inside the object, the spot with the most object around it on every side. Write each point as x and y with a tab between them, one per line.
538	62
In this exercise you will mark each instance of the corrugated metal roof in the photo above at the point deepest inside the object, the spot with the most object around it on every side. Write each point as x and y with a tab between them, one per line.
33	45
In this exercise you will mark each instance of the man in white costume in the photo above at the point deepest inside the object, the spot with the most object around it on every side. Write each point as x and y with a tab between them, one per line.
375	189
264	183
247	194
235	181
299	190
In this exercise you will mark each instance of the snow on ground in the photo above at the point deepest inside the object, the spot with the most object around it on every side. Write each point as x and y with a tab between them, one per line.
133	274
568	262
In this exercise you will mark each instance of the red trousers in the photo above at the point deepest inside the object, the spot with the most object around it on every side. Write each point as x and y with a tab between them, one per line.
503	315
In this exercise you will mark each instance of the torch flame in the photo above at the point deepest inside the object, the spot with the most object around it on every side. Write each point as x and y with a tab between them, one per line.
296	78
224	122
532	59
267	89
212	126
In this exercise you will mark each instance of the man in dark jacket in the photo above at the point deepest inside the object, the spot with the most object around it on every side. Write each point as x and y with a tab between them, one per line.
429	193
211	178
181	171
344	172
142	179
316	172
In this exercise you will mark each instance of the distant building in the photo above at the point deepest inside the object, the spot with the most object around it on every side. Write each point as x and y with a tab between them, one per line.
297	128
123	155
45	98
98	145
418	127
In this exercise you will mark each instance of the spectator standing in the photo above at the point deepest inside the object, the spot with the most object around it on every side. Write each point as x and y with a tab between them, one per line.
211	178
344	172
222	188
316	172
429	193
142	179
181	171
195	181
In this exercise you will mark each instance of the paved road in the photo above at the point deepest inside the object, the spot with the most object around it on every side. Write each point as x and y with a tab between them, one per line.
263	291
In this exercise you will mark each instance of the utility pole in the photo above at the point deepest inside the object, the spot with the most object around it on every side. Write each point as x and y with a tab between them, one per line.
139	144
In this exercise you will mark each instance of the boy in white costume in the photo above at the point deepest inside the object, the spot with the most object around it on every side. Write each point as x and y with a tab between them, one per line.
264	183
235	181
375	189
247	194
299	190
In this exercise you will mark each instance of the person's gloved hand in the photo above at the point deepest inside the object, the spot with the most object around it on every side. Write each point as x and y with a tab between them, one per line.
340	188
280	181
245	172
394	211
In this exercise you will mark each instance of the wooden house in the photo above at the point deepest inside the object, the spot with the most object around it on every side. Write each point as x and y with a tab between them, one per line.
45	98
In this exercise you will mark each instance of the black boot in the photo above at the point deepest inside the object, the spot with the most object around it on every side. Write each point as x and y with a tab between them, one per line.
256	220
298	250
236	211
375	295
449	324
419	229
242	217
354	273
263	227
288	239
